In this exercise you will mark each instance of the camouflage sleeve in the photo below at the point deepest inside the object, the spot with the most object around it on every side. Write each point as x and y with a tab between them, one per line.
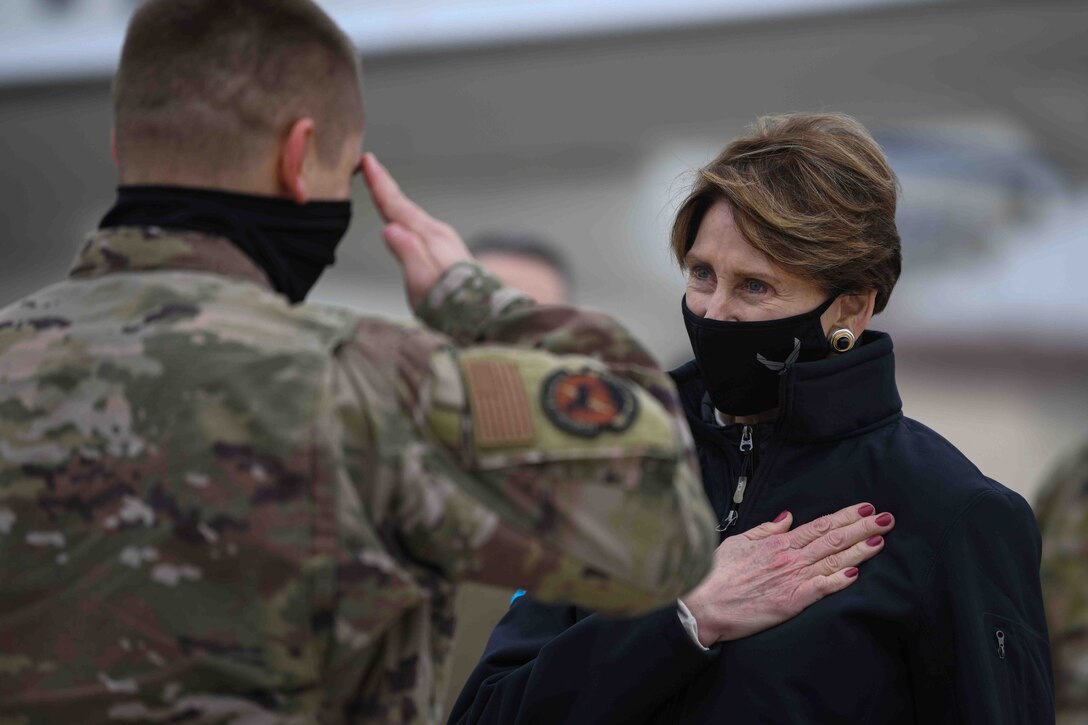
559	465
1062	511
473	307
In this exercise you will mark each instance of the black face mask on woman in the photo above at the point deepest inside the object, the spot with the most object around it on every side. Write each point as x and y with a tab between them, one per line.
741	363
292	243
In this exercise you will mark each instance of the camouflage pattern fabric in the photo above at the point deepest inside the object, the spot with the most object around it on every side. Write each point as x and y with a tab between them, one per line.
219	508
1062	510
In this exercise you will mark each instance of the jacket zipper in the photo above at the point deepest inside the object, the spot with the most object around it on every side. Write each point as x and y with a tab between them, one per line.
746	447
747	474
1000	644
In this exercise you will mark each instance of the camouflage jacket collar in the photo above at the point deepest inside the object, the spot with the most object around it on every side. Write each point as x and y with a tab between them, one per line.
141	249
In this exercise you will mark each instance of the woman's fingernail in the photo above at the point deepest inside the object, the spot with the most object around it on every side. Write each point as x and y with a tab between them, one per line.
866	510
883	519
874	540
781	516
851	572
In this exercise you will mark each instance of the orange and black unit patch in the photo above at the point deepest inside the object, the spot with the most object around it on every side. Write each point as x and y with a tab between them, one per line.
586	402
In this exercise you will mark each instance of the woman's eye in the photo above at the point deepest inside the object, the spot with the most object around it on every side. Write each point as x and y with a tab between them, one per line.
700	273
754	286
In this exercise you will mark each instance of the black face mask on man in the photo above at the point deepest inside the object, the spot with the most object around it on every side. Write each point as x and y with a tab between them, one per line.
293	243
742	363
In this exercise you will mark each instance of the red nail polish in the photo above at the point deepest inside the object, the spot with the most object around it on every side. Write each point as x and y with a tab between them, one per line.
866	510
781	516
874	540
883	519
851	572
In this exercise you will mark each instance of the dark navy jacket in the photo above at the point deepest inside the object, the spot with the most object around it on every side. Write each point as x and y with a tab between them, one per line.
946	625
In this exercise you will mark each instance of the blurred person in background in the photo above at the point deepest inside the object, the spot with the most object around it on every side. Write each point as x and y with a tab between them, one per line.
790	246
1062	510
223	504
526	262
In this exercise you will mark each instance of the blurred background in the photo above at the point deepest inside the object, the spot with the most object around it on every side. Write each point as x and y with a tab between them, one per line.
580	122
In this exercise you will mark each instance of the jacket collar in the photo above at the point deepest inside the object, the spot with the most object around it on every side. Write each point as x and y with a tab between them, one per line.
146	249
839	396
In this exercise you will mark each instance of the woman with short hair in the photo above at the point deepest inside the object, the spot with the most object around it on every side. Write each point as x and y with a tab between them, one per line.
790	246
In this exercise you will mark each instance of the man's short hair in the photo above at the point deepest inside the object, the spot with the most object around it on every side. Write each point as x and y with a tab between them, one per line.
214	84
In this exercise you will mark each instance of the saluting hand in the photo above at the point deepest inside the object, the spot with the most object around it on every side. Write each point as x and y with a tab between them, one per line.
769	574
424	246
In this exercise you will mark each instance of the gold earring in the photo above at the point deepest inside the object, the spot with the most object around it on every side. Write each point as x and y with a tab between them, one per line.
842	340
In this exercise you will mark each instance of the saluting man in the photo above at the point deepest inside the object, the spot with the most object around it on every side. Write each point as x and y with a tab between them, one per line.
220	504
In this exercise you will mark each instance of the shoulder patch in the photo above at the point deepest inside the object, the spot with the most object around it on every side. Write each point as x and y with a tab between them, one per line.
500	408
586	402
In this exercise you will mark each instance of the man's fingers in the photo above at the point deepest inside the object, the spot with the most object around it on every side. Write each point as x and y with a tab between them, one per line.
804	535
390	201
379	183
406	245
420	270
442	241
446	245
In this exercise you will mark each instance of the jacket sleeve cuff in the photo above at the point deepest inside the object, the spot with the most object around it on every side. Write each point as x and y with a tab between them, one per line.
465	300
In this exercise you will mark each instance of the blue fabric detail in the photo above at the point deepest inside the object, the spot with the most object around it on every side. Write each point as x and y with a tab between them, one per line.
518	593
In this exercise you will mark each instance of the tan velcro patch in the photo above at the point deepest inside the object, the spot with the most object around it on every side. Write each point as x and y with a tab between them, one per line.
500	407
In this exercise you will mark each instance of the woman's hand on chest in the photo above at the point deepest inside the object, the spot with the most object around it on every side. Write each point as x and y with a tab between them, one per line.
770	574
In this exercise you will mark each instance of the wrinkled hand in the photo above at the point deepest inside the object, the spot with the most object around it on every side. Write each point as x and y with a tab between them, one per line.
769	574
424	246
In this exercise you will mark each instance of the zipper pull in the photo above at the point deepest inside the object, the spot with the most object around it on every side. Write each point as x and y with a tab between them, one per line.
729	520
746	439
1000	644
742	482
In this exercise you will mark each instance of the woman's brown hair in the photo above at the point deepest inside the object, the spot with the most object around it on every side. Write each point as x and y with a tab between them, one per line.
811	191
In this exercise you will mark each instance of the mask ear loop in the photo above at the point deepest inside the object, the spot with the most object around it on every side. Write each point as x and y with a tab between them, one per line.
782	367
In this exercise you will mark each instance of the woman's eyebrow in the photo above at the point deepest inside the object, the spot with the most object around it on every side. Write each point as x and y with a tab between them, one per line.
692	258
764	273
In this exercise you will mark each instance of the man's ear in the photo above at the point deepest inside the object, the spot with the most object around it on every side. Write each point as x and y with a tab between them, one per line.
293	152
855	311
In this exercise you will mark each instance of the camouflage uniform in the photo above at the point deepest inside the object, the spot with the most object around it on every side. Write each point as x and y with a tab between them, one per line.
1062	509
218	508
